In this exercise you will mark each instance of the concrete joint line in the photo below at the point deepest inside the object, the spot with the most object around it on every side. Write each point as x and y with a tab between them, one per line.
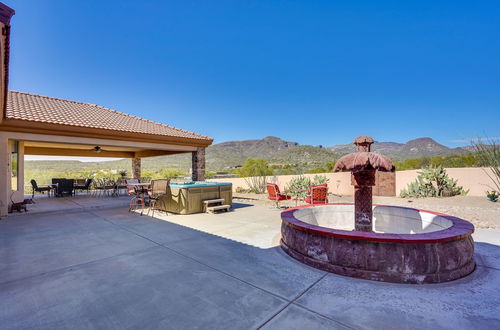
293	301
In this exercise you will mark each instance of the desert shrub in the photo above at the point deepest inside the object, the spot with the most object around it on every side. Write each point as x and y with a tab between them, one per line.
317	170
492	195
488	153
467	160
298	183
433	182
255	172
164	173
319	179
302	183
240	190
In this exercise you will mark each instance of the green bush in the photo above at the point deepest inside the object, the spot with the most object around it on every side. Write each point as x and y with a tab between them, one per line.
164	173
255	172
433	182
254	167
467	160
302	183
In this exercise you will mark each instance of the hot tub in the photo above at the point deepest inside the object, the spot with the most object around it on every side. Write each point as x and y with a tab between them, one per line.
188	197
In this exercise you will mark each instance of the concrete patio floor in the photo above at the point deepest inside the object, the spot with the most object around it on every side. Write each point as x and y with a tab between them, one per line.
83	202
107	268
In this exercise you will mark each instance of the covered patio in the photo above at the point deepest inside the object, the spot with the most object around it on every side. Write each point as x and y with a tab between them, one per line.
40	125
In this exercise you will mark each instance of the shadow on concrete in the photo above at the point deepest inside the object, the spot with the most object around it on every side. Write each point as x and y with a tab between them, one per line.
240	205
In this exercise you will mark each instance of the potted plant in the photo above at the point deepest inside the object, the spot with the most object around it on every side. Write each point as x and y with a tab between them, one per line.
493	195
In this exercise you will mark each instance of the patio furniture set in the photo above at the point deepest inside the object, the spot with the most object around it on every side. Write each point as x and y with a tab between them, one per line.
62	187
315	195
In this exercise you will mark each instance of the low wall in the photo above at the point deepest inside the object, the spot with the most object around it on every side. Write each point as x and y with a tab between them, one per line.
473	178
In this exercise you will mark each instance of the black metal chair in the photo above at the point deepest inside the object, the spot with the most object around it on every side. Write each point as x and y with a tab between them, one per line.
40	189
84	187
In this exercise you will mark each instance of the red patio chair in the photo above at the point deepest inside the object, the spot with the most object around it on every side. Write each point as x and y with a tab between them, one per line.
274	194
318	194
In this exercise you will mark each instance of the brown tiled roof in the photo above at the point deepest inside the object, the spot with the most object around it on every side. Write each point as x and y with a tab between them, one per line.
37	108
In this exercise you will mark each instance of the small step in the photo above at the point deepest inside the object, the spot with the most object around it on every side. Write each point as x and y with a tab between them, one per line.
213	201
212	209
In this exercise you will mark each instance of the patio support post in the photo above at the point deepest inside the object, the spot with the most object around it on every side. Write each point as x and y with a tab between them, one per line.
5	176
198	161
136	168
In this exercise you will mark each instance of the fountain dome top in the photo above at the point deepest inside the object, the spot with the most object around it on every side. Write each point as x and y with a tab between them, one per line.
363	158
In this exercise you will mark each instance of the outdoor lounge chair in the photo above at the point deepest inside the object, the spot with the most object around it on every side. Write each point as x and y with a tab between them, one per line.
84	187
318	194
40	189
158	189
274	194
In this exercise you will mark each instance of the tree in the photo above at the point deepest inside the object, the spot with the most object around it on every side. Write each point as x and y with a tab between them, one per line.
254	167
255	172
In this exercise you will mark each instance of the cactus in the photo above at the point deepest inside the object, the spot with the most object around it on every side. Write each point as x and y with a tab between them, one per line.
433	181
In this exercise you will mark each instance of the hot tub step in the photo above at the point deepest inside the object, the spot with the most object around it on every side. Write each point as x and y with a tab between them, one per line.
213	201
212	209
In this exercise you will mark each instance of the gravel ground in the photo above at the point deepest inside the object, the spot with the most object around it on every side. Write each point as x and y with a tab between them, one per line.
478	210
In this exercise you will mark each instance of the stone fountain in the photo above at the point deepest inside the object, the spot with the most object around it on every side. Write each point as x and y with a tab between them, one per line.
377	242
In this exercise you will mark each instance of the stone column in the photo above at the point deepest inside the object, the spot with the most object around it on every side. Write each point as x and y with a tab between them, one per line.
136	168
198	162
363	182
5	175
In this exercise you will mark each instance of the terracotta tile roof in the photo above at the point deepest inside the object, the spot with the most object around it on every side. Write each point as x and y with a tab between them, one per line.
37	108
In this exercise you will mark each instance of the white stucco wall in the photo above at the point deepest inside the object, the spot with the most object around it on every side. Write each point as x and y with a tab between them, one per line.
475	179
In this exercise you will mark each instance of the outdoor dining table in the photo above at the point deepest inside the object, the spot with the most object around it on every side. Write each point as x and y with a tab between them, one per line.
141	189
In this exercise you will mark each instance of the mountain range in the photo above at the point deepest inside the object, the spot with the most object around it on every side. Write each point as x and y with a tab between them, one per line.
275	150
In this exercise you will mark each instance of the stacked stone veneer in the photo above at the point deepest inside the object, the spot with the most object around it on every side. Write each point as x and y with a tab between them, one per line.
198	162
136	168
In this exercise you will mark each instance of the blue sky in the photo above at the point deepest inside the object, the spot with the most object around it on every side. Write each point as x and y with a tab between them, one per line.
315	72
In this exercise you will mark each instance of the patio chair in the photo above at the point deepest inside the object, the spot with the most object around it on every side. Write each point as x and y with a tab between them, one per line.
65	187
274	194
318	194
158	189
84	187
131	189
40	189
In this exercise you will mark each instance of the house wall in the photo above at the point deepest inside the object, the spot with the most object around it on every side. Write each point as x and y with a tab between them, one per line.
474	179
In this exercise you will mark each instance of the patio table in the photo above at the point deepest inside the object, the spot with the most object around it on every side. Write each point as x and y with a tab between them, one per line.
296	192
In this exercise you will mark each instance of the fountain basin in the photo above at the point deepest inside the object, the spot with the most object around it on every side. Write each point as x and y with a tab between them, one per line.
407	246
